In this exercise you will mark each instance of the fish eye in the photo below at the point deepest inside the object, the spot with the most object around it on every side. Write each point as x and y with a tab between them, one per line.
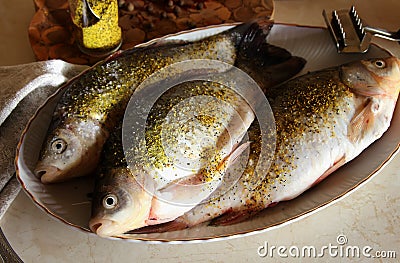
379	63
59	146
110	201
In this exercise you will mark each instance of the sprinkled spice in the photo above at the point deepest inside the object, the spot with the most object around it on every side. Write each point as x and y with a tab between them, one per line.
95	102
209	122
308	104
103	93
303	108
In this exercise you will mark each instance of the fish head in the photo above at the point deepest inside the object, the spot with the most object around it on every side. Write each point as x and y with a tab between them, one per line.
59	155
120	203
70	150
374	77
375	84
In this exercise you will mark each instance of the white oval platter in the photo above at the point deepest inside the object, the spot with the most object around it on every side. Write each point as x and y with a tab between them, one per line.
69	202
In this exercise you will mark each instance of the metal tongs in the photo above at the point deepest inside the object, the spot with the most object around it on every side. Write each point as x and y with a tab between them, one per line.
349	33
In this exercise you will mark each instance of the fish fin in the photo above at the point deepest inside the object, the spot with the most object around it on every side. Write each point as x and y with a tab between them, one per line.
251	34
177	224
177	198
268	75
267	64
277	74
193	179
233	156
197	179
362	121
233	217
340	162
193	189
253	43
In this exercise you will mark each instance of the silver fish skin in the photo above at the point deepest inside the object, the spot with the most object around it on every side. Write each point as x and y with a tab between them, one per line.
126	199
324	119
156	190
93	102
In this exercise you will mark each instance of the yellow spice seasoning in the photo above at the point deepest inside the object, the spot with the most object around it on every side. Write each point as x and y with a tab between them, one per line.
96	26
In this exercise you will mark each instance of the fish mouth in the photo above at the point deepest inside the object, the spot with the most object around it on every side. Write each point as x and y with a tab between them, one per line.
103	227
48	173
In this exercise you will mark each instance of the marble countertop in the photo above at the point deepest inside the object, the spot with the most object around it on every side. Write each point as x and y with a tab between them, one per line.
370	217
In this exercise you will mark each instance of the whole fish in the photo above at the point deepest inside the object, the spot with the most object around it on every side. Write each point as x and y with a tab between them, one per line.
323	119
191	132
203	134
93	102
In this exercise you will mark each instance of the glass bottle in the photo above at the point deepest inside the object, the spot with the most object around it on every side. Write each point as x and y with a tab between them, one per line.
96	26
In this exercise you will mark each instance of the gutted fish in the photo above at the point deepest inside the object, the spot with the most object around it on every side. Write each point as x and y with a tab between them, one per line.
193	135
93	102
323	119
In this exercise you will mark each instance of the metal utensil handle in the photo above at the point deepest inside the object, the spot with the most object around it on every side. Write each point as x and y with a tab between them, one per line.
393	36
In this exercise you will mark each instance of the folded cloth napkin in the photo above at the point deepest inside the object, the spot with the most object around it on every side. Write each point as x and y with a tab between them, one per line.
23	88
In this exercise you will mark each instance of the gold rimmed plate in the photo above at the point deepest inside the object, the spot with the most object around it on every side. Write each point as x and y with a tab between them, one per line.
70	202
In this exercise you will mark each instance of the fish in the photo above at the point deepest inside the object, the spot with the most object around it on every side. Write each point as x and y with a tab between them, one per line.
93	102
191	133
324	119
201	123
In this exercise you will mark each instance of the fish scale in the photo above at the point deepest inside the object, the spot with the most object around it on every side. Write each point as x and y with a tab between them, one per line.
113	168
103	93
98	97
302	96
154	195
324	119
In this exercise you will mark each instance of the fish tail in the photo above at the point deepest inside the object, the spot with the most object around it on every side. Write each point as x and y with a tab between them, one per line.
267	64
278	73
271	67
249	34
253	45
